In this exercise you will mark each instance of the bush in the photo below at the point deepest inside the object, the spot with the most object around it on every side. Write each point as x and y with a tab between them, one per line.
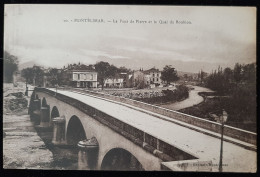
181	92
240	106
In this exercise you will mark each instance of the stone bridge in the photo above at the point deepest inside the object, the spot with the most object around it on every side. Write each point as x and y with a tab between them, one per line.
114	135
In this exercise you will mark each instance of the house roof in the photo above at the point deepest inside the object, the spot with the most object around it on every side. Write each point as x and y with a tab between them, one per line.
151	70
81	70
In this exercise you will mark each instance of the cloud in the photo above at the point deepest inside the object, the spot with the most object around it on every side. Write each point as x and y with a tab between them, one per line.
217	34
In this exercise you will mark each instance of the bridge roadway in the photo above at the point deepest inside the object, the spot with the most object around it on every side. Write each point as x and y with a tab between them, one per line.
235	158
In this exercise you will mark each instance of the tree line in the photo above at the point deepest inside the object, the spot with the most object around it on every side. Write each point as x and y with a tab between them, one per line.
225	81
34	75
239	84
10	66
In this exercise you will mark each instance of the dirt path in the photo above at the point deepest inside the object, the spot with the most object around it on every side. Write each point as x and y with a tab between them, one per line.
193	99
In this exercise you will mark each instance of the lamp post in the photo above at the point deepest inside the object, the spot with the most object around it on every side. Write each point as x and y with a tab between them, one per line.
26	91
223	120
56	85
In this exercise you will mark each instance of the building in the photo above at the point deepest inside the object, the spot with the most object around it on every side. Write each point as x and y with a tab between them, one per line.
142	78
82	78
124	77
114	82
135	79
153	76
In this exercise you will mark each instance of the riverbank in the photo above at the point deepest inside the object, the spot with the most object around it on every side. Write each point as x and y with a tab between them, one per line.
22	146
213	104
193	99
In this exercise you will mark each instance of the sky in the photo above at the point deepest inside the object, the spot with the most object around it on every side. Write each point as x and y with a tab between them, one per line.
48	35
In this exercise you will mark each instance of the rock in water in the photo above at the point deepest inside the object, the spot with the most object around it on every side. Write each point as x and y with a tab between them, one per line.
17	95
15	102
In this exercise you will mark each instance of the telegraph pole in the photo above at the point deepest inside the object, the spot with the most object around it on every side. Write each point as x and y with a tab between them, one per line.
223	120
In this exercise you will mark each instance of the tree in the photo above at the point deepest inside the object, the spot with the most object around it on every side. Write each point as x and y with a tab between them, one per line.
249	73
105	70
237	72
54	76
123	69
33	75
10	66
27	74
38	75
169	74
228	74
202	75
185	76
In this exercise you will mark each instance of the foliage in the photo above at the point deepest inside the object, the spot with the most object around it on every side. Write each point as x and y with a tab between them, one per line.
105	70
239	87
202	75
54	76
169	74
123	69
10	66
27	74
139	81
181	92
243	102
33	75
238	72
241	111
225	82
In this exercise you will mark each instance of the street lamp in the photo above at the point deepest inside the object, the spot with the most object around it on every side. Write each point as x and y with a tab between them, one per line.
223	119
56	85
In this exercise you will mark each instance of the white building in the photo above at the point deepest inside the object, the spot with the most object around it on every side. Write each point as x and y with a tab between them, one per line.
153	76
114	82
83	78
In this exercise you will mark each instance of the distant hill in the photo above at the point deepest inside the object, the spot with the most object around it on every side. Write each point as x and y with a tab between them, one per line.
184	66
145	64
181	73
27	65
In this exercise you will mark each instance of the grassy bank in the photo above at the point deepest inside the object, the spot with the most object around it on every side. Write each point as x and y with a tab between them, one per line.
169	96
214	103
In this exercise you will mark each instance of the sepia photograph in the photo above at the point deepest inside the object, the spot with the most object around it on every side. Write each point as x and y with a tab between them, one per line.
130	88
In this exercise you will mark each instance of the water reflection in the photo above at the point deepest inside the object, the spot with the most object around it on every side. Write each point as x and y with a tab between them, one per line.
64	157
87	159
74	158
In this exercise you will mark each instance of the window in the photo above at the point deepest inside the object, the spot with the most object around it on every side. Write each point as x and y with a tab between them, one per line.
91	76
78	76
157	75
153	79
157	79
153	75
75	76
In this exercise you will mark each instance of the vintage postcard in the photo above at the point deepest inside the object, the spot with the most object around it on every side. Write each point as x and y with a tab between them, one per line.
130	88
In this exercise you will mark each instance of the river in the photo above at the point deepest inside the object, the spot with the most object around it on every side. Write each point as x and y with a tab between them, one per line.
193	99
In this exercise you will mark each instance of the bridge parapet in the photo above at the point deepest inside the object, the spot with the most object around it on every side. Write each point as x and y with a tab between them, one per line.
240	134
150	143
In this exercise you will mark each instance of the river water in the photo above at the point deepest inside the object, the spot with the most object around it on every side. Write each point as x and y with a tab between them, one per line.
27	147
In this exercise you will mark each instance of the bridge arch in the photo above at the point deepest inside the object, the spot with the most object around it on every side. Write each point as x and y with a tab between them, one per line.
75	131
120	159
55	112
44	102
30	110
